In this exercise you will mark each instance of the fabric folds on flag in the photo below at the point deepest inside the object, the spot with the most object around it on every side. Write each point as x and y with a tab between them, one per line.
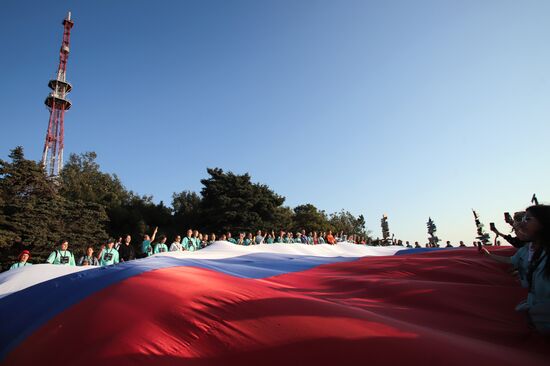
283	305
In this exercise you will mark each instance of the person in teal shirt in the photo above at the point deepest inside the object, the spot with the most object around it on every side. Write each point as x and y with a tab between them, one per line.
241	239
269	239
281	237
289	238
109	255
23	258
188	243
62	256
230	239
161	245
146	247
249	240
197	239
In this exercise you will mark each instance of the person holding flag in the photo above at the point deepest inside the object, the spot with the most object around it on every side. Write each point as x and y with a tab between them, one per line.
188	243
110	254
22	260
62	256
161	247
146	248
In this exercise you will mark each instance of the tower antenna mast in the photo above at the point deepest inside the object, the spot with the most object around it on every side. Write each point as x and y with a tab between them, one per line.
57	103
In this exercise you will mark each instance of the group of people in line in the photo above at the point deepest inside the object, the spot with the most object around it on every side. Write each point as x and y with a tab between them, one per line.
121	250
530	262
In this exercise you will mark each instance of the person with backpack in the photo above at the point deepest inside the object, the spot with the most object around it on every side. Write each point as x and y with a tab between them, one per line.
161	247
176	245
110	254
188	243
62	255
88	259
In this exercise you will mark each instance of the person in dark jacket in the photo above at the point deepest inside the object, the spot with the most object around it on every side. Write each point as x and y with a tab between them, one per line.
126	250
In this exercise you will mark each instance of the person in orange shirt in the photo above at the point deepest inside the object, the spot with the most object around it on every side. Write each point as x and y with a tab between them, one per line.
330	238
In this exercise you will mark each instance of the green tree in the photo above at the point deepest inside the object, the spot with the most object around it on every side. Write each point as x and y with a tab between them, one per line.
283	219
127	212
233	202
347	223
309	218
186	208
83	181
34	216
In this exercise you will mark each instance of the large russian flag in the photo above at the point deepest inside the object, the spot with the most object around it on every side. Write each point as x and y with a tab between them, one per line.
271	305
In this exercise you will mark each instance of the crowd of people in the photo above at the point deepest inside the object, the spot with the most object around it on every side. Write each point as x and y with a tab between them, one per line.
530	262
531	229
121	250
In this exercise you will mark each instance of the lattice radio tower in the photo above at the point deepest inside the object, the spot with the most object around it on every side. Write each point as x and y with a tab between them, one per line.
57	103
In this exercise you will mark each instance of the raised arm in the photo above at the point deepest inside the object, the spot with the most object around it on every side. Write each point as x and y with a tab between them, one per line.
154	234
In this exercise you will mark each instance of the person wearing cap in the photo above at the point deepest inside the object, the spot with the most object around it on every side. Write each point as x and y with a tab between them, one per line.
110	255
62	256
161	247
88	259
23	258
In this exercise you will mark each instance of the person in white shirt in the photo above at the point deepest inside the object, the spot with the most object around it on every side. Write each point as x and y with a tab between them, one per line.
176	245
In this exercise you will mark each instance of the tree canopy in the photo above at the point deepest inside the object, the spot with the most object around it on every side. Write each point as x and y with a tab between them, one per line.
85	206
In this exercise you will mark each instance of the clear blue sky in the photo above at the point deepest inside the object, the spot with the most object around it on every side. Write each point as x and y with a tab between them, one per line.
410	108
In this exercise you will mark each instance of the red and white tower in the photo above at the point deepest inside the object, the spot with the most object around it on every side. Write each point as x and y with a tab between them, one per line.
57	102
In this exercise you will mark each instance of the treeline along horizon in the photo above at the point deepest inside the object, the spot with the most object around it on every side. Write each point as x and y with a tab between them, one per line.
86	206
